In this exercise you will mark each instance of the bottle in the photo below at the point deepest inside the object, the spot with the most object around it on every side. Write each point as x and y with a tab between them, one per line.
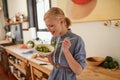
21	18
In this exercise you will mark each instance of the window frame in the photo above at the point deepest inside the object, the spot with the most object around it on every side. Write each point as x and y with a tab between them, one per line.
32	13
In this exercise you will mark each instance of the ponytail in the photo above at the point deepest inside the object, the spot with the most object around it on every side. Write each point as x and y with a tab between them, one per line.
68	22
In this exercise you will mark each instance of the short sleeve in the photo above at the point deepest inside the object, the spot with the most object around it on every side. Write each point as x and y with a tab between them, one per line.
80	53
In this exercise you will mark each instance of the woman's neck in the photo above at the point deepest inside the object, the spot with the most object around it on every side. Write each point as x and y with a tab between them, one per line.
64	31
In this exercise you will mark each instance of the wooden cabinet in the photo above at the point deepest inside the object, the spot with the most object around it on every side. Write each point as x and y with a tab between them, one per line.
38	72
38	75
17	65
23	66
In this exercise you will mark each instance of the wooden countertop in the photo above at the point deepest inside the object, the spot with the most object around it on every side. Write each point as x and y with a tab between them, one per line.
4	41
89	73
98	73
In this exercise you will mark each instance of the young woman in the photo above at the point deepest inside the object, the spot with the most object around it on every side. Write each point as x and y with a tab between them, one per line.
69	56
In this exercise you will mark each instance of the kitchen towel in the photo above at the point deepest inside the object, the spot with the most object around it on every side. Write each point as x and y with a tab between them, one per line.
33	32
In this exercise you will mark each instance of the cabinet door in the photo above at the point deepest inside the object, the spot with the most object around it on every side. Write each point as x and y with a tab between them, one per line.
38	75
17	66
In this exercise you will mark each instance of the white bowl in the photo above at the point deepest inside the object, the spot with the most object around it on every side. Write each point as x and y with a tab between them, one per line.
51	49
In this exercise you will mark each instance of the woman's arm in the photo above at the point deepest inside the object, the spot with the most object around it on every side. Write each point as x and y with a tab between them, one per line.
50	59
74	65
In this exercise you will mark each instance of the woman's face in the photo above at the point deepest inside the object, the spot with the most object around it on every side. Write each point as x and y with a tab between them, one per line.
54	26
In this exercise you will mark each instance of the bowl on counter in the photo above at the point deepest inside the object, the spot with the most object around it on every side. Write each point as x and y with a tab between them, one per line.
95	61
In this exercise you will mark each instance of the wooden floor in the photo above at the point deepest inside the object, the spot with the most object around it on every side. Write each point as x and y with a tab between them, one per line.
4	76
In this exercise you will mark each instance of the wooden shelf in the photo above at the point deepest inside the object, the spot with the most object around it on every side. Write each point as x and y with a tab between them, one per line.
16	55
17	22
39	71
18	67
16	76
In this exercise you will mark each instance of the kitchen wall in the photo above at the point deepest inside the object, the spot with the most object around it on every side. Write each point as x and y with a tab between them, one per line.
2	33
15	6
99	39
19	6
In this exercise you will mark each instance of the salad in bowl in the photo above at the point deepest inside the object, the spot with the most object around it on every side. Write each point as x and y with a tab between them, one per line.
44	49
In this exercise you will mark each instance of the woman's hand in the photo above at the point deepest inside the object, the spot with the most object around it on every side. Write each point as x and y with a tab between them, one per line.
49	58
66	44
43	56
37	55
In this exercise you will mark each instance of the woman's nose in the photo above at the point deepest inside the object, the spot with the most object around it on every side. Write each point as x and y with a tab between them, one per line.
50	28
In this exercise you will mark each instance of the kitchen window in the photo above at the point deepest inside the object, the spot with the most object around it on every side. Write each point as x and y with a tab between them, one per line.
36	11
42	6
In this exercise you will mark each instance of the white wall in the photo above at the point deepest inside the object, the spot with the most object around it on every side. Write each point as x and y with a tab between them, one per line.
99	39
2	32
15	6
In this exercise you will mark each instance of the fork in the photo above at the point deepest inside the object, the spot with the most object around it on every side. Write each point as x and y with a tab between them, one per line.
70	39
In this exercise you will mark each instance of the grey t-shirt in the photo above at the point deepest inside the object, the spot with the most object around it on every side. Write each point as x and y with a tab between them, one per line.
77	49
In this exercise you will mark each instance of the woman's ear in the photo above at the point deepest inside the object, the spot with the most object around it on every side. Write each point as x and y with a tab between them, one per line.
62	21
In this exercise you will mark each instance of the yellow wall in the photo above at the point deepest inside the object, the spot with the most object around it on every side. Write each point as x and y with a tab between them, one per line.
104	10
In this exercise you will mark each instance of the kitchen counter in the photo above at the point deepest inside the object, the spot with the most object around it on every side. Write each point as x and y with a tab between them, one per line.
99	73
16	50
4	41
89	73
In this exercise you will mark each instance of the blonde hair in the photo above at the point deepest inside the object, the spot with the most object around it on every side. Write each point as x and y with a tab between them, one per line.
57	13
